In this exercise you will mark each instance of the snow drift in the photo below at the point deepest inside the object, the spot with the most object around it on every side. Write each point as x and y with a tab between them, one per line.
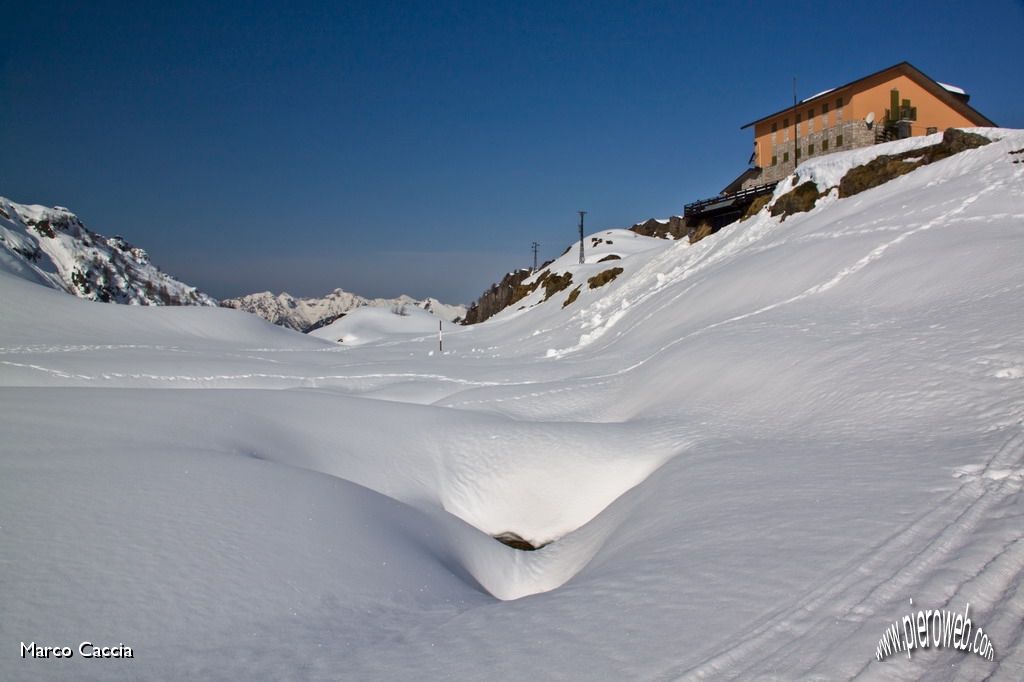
747	456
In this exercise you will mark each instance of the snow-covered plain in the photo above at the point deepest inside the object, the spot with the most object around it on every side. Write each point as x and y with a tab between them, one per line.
748	456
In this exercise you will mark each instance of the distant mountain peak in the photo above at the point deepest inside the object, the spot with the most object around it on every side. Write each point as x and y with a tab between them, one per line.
307	314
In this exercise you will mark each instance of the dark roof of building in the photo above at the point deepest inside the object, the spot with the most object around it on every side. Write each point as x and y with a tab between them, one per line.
735	185
955	101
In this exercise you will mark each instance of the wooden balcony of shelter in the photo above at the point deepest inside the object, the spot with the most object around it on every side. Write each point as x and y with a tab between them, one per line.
724	209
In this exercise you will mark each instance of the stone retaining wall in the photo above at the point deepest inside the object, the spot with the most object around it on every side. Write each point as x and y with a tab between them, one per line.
853	135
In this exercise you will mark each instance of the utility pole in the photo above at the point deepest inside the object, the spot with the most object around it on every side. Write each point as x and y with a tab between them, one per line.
582	213
535	246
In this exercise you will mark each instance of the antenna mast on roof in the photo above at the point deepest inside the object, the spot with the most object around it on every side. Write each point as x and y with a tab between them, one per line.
796	128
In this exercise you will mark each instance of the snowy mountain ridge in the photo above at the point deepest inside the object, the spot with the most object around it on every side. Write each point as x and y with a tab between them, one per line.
307	314
53	247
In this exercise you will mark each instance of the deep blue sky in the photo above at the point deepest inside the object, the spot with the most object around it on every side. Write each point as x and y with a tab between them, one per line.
390	147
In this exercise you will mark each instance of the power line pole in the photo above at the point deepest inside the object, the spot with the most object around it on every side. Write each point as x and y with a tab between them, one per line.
535	246
582	213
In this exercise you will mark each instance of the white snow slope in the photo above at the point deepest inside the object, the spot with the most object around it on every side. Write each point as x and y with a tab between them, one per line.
749	456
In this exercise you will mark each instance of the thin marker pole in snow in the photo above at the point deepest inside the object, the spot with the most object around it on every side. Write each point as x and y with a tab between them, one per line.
440	339
582	213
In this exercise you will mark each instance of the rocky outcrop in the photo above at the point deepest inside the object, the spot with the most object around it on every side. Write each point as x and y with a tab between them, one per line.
673	228
886	167
53	247
500	296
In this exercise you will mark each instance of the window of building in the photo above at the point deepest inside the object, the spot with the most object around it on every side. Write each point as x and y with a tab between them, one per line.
798	152
775	160
839	103
785	157
798	119
785	123
810	114
824	145
810	149
931	130
824	108
775	126
839	140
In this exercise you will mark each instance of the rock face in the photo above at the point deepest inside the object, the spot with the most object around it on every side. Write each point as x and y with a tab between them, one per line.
799	200
498	297
886	167
53	247
307	314
511	289
673	228
515	541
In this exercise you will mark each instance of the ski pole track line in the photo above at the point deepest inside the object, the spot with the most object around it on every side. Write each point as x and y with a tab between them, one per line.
304	380
1010	614
235	351
47	370
871	256
560	387
915	551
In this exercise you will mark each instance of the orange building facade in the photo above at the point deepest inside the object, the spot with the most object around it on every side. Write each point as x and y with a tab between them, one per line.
893	103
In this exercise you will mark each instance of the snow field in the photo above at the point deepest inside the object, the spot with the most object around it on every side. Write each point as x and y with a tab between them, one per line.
750	453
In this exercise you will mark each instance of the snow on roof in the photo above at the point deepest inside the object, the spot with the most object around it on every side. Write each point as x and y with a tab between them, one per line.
952	88
823	92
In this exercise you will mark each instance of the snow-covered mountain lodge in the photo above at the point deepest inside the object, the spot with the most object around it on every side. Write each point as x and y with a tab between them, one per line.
894	103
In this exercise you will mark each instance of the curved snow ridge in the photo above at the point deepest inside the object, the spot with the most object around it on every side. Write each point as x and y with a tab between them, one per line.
510	574
476	474
543	481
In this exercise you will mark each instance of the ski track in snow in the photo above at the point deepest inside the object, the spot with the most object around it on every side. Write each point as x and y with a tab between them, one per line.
857	598
875	254
241	380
